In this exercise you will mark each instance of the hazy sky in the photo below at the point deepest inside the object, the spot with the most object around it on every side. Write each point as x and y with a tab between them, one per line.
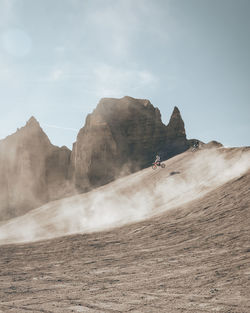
59	57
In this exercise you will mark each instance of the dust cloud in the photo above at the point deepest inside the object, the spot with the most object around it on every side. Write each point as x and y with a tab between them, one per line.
133	198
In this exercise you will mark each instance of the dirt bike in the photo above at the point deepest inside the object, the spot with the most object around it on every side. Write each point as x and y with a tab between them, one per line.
155	164
195	147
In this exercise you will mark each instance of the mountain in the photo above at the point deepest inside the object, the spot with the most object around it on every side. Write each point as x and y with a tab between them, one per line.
32	170
123	136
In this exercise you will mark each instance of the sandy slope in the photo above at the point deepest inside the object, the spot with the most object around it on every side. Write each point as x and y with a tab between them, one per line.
132	198
195	258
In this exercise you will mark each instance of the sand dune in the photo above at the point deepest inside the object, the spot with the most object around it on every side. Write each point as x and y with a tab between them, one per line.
192	258
133	198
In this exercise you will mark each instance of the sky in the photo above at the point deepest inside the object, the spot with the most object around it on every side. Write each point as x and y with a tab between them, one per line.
58	58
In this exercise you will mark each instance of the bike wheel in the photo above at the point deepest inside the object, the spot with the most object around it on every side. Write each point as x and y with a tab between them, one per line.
163	165
154	167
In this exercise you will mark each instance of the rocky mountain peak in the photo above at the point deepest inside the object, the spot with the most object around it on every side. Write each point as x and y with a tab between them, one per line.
176	111
122	136
176	115
123	110
35	169
32	122
123	103
176	124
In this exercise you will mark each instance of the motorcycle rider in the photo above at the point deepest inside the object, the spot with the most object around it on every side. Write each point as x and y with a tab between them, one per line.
158	159
196	145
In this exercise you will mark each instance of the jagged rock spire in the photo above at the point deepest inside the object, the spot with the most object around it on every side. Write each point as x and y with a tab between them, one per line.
33	122
176	124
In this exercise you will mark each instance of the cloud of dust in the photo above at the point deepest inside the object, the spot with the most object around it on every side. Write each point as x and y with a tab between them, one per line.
132	198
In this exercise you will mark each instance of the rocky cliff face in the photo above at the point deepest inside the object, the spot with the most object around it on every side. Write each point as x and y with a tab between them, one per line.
31	170
122	136
176	141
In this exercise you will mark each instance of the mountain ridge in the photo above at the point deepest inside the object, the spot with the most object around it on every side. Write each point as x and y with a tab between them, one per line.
127	131
119	137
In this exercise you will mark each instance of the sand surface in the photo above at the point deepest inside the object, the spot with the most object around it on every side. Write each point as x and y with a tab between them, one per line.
133	198
193	258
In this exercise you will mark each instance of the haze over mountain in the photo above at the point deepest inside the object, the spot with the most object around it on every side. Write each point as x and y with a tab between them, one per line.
135	197
170	240
99	229
120	137
32	170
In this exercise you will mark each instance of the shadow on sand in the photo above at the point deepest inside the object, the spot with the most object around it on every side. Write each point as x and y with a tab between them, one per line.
174	173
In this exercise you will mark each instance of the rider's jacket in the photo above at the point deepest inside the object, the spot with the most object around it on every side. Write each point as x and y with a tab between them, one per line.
157	159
